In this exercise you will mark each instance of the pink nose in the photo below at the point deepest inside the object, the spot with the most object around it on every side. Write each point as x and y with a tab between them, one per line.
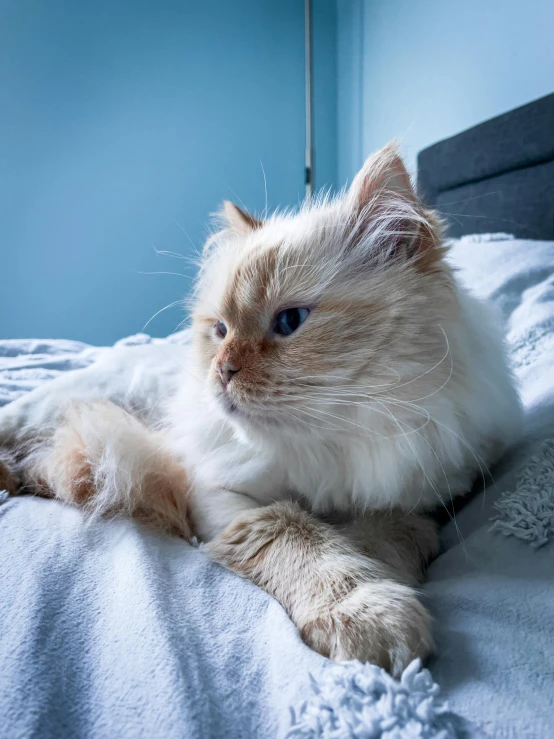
226	371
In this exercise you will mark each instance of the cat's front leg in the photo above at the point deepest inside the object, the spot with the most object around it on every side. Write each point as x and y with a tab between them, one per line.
213	510
346	604
104	460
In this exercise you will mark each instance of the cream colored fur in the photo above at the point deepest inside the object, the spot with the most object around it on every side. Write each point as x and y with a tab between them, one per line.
344	603
389	400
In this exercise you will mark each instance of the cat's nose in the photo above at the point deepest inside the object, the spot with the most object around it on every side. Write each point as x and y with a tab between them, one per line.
226	371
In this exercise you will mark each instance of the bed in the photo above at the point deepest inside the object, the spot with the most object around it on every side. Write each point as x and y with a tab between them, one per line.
110	630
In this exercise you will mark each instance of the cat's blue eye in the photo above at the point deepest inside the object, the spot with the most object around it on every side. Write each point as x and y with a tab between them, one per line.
289	320
221	329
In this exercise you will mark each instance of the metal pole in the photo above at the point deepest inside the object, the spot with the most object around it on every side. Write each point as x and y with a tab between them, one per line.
309	171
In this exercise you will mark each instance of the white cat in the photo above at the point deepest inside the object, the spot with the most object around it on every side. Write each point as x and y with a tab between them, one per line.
340	383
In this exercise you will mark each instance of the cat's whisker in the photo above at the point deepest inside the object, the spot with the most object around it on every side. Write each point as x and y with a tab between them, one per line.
424	397
182	323
170	305
194	261
306	423
333	427
342	389
417	408
449	489
195	249
353	387
435	366
350	389
343	377
166	253
452	515
483	468
431	484
428	419
265	211
366	429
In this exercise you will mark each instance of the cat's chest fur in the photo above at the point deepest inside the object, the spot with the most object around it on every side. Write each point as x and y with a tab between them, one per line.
343	473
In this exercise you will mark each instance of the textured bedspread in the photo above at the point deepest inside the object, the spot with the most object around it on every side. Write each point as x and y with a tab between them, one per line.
109	630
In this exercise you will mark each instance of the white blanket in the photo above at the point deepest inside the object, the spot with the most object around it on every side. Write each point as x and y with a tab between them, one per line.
111	630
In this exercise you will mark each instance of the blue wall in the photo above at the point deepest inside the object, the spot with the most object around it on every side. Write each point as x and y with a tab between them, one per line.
124	125
423	71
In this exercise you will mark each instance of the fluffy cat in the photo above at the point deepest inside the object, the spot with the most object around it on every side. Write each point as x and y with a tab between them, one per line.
340	384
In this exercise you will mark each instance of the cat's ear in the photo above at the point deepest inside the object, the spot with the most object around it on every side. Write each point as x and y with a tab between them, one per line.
389	221
382	175
238	220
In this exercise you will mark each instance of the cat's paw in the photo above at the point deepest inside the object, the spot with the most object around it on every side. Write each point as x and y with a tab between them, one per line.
237	546
249	545
381	622
106	461
345	605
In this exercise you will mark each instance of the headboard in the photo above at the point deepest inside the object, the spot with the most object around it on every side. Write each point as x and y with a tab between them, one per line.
497	176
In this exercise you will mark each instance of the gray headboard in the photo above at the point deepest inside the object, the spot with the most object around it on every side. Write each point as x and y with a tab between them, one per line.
497	176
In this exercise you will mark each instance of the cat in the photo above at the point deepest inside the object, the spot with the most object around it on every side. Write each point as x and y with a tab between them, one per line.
340	385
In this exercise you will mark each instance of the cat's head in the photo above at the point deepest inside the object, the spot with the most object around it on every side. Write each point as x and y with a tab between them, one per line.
300	316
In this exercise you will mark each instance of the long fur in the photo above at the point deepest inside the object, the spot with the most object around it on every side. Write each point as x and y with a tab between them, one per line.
389	400
394	393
